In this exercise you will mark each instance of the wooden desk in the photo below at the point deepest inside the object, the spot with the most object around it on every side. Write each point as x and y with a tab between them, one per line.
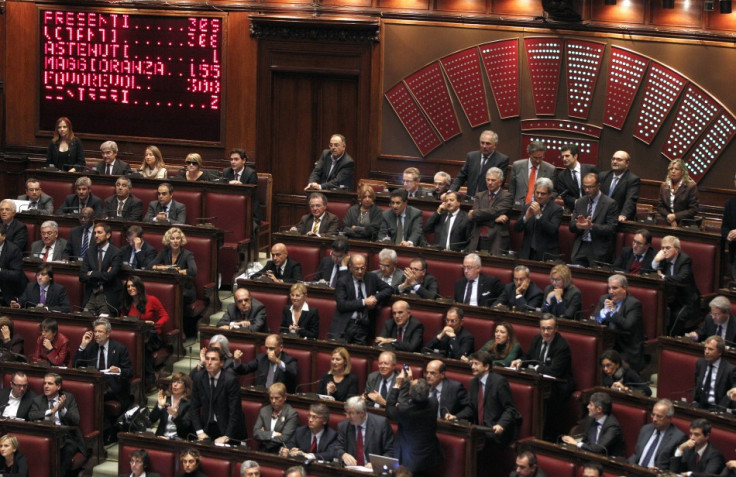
40	443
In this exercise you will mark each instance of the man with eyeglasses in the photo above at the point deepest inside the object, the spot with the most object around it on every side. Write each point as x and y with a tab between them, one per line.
403	332
621	185
318	222
166	210
442	182
15	230
334	266
50	248
637	259
490	215
568	183
522	293
476	289
401	224
16	400
122	204
540	221
659	439
39	200
81	198
314	441
454	340
410	178
273	366
334	169
246	313
595	222
417	281
387	271
280	269
676	267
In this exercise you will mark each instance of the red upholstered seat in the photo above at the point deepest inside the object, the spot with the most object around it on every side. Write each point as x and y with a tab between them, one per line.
37	450
304	360
454	450
503	274
525	334
515	237
229	212
446	273
555	466
339	208
308	256
676	374
59	190
250	411
327	310
162	462
631	419
481	328
358	367
193	201
426	214
171	331
214	466
648	298
566	239
582	348
591	291
74	289
524	403
274	303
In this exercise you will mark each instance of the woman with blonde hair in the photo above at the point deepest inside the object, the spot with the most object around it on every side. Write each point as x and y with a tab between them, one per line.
298	318
192	171
339	382
363	220
562	298
153	166
678	195
12	462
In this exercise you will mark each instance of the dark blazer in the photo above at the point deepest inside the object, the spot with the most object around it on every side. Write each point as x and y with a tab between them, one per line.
489	289
519	179
117	355
471	173
142	259
537	473
626	193
558	362
687	294
286	424
247	176
302	440
346	388
19	468
569	307
686	203
416	446
329	225
73	247
75	158
454	399
308	322
177	212
412	225
71	205
567	189
413	336
16	232
260	366
292	271
348	302
626	258
668	443
630	324
532	297
224	401
485	212
541	235
59	249
183	419
725	380
728	224
119	168
498	407
324	271
427	288
379	437
56	299
45	203
206	176
712	462
108	277
463	344
603	232
362	232
374	383
709	328
341	175
25	402
40	405
630	378
610	437
12	278
185	261
256	315
460	234
132	210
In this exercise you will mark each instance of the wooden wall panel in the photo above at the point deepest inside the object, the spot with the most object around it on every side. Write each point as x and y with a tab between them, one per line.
20	59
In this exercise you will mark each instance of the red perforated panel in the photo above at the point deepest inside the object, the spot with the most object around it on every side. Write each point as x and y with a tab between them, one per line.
411	117
588	149
463	71
711	145
561	125
501	61
661	89
583	65
544	56
429	88
694	114
625	73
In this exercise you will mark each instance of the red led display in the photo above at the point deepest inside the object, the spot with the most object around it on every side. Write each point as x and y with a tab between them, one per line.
132	75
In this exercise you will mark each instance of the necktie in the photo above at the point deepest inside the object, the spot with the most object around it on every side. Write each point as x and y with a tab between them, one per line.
697	461
587	236
279	273
577	184
647	461
210	413
399	230
530	185
481	175
436	398
101	362
384	389
481	404
120	208
82	206
468	292
99	260
313	447
400	334
34	205
85	242
593	432
543	352
166	211
333	278
43	296
614	183
237	176
109	170
719	330
315	227
706	386
46	253
270	375
360	290
448	231
360	458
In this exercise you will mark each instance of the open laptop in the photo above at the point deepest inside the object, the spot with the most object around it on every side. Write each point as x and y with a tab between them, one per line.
382	465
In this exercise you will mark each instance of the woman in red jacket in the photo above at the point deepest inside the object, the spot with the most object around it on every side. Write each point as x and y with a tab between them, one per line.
51	345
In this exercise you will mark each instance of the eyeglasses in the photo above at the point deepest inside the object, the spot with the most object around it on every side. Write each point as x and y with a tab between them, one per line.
191	163
16	385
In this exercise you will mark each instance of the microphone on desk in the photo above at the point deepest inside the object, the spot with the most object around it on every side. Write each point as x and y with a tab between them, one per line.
551	257
579	315
88	360
529	308
683	391
205	219
603	265
677	319
508	253
296	389
307	280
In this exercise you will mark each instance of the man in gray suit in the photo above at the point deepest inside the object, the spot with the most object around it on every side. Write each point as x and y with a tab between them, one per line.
594	220
166	209
380	382
38	199
387	271
50	247
490	215
246	312
657	450
526	171
477	164
402	223
376	436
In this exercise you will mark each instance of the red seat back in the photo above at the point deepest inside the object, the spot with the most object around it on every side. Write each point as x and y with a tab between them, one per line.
582	348
591	291
648	298
480	328
58	190
274	303
676	374
306	255
446	273
162	462
192	199
454	450
250	412
339	208
503	274
555	466
524	402
214	466
632	419
37	450
327	309
229	212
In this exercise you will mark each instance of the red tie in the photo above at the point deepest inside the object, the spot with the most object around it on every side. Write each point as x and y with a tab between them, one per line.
399	335
314	444
480	403
530	186
46	254
360	458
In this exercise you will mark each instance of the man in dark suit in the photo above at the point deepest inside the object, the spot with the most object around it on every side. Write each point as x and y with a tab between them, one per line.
39	200
318	222
12	279
417	281
522	294
273	366
331	268
658	440
622	313
474	288
728	231
676	267
477	163
450	224
166	210
568	183
15	230
387	271
138	253
401	224
621	185
450	394
526	466
82	197
453	341
698	455
280	269
403	332
216	411
314	441
123	205
246	312
719	322
100	272
16	400
358	296
380	382
637	259
50	247
595	222
334	169
490	215
80	238
59	408
411	178
713	376
238	173
526	172
540	221
442	183
53	297
600	429
111	165
376	436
